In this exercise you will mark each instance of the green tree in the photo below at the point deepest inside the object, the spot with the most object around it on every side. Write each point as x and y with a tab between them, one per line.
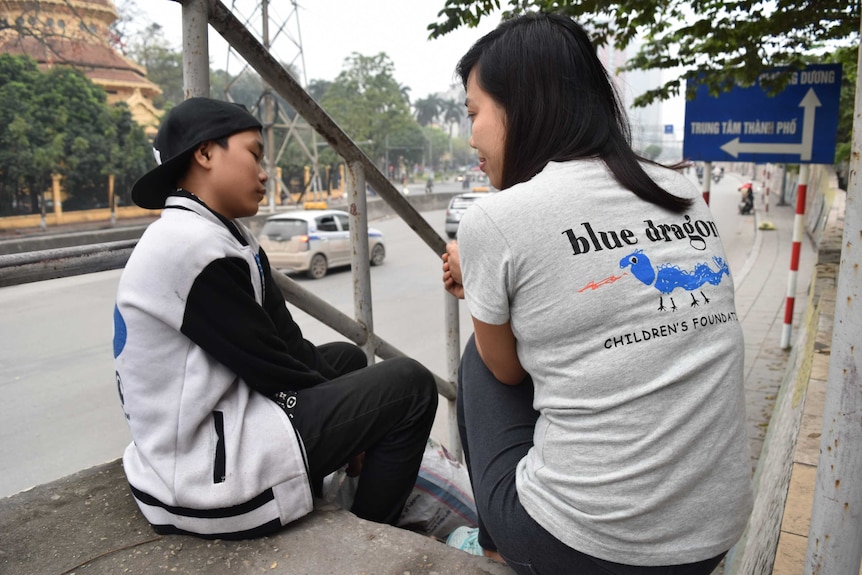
317	88
131	152
128	15
453	112
164	65
652	152
848	58
718	42
371	106
20	139
438	142
72	106
58	122
721	42
427	109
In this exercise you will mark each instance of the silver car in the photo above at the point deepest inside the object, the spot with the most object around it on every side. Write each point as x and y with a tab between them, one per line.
313	241
457	206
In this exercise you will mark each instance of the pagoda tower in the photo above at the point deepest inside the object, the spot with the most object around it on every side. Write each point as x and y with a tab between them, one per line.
77	33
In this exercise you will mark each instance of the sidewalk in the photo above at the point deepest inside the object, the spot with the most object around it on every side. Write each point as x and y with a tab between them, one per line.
761	294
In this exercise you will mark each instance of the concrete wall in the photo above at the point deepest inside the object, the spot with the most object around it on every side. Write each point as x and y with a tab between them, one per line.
32	243
377	209
54	219
784	478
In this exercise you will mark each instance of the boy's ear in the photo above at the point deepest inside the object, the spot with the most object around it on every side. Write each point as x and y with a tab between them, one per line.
202	154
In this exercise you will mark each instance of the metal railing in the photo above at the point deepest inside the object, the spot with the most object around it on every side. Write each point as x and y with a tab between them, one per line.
55	263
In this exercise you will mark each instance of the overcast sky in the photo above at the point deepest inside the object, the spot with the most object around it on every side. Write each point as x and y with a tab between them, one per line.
332	30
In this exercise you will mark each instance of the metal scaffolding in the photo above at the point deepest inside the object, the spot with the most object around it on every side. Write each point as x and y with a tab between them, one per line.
280	33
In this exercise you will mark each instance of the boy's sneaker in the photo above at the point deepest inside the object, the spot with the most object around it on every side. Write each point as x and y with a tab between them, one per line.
466	539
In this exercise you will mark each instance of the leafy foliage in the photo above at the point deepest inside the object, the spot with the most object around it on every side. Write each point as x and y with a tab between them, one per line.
371	106
164	65
721	43
652	151
724	42
848	58
58	122
427	109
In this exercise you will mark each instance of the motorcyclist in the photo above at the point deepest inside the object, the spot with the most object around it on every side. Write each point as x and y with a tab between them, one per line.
747	203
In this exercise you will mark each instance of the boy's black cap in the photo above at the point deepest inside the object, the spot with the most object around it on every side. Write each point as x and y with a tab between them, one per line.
187	125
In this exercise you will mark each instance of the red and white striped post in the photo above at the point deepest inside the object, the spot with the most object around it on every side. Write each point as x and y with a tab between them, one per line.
798	230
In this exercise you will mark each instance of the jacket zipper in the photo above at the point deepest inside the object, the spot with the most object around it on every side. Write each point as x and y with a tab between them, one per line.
220	457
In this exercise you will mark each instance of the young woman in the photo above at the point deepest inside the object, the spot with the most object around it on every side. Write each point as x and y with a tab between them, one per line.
601	402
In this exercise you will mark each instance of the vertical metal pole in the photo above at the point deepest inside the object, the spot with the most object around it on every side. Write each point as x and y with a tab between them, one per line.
798	232
112	200
782	201
453	360
386	167
196	54
315	159
268	118
835	534
43	222
766	182
707	181
360	258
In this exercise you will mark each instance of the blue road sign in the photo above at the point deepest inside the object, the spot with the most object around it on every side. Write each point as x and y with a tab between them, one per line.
668	128
796	126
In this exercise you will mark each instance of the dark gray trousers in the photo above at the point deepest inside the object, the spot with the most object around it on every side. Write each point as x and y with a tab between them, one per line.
385	410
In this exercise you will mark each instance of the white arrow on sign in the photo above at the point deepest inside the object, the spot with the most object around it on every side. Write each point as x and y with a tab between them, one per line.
809	104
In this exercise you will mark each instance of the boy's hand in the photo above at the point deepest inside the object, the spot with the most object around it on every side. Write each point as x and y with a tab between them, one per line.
354	465
452	270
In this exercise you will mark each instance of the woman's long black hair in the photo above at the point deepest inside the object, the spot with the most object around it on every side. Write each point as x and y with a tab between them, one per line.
559	101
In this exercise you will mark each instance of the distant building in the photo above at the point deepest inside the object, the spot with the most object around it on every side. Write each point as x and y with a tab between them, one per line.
648	127
77	33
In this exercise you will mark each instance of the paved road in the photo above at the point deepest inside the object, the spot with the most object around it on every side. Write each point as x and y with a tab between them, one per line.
60	413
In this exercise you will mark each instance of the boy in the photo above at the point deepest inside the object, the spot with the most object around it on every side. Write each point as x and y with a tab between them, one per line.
235	417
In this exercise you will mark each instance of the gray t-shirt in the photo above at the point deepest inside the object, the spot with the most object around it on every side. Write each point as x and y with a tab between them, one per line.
624	316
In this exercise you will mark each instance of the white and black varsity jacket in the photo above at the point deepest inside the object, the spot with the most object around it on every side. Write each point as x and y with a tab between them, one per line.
202	340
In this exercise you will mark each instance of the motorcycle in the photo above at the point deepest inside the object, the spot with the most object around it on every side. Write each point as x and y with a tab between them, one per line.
746	206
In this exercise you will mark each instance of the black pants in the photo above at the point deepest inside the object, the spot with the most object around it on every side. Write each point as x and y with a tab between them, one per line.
496	423
385	410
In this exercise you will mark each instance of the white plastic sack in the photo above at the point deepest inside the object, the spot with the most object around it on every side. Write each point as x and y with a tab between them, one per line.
441	500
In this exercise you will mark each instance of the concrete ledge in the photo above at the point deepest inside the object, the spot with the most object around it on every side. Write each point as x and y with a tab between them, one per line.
87	523
38	242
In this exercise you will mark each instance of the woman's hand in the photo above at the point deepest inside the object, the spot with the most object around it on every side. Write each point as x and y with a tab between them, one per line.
452	271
